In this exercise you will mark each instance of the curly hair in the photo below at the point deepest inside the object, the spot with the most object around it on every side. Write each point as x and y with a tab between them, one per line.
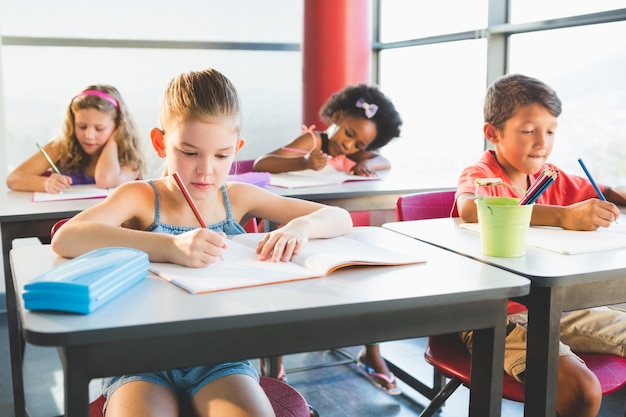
386	118
126	131
508	93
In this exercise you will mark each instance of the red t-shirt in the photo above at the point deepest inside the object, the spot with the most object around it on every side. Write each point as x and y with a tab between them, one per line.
565	190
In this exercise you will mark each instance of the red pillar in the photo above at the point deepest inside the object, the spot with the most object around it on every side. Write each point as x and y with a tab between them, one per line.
336	51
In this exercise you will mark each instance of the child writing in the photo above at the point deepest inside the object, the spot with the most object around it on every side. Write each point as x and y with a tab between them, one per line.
100	145
199	138
520	115
362	120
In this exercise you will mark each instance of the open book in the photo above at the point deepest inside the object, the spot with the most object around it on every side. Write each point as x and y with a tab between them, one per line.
311	178
241	267
75	192
568	242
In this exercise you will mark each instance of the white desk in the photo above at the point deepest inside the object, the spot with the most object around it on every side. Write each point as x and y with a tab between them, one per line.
19	218
558	283
367	195
156	325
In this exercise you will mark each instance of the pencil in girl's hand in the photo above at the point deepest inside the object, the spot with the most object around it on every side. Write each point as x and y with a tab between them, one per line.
189	199
45	155
296	150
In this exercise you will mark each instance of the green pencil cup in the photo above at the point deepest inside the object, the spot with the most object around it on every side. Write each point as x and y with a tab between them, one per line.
503	226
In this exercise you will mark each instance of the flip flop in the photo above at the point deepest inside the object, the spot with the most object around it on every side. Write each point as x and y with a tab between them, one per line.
373	376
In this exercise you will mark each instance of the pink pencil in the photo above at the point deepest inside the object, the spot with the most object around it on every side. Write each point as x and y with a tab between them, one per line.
302	151
189	200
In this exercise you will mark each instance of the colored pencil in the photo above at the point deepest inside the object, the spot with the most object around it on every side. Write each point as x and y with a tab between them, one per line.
302	151
593	183
189	199
45	155
541	184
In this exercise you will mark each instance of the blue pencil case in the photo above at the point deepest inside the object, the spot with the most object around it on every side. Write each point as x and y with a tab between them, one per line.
86	283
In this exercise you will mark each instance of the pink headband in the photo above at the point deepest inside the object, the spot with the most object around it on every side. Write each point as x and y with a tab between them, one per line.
102	95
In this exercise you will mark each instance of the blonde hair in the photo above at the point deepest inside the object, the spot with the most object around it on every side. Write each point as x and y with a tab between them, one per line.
126	131
205	95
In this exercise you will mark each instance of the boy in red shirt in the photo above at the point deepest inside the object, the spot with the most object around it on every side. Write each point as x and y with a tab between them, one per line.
520	121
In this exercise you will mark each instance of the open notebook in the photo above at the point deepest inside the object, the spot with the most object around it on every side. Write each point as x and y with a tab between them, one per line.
241	267
568	242
75	192
312	178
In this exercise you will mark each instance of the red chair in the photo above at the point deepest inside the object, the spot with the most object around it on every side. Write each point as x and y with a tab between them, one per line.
447	353
286	400
422	206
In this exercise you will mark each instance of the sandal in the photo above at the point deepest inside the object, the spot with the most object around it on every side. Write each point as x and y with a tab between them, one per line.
374	378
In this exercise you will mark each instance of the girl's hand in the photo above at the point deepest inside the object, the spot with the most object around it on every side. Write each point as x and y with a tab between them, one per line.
590	214
56	183
316	159
198	248
363	169
280	246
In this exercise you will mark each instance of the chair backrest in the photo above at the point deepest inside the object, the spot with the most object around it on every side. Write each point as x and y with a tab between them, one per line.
428	205
241	167
56	227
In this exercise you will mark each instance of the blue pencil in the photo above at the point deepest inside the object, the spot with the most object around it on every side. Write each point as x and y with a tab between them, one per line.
595	186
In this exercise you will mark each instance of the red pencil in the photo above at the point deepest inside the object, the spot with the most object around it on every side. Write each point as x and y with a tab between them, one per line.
189	200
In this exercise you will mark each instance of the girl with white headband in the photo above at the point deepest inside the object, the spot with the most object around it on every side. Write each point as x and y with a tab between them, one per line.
361	120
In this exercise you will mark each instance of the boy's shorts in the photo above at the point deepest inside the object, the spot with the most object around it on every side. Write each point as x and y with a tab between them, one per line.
592	330
183	381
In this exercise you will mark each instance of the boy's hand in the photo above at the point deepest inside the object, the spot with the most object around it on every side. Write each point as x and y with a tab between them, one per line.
316	159
56	183
590	214
198	248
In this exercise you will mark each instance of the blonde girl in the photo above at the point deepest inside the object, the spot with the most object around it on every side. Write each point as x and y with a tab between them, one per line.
198	138
100	144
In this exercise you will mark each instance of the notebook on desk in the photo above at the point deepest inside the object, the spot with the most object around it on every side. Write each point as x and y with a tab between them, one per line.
568	242
75	192
241	268
312	178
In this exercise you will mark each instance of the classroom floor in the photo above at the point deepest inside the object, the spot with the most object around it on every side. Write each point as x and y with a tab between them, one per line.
334	391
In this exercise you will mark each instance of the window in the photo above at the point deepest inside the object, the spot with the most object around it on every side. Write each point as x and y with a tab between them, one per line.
533	10
50	56
216	21
585	65
439	80
36	104
438	90
409	19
